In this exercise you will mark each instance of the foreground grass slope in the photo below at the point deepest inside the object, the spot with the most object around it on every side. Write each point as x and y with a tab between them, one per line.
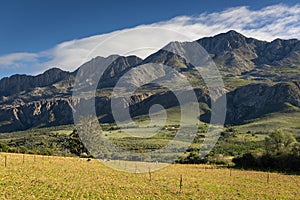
43	177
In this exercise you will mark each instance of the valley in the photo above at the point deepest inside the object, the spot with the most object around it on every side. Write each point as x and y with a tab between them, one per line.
262	91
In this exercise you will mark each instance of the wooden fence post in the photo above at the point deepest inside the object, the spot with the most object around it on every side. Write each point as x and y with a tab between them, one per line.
150	175
180	184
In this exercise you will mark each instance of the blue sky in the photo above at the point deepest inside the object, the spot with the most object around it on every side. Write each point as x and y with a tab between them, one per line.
33	31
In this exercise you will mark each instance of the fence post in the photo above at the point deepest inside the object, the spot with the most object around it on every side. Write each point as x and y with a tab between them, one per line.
150	176
180	184
5	161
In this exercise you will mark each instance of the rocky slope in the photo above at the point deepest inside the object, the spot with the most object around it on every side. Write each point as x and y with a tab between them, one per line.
256	100
236	54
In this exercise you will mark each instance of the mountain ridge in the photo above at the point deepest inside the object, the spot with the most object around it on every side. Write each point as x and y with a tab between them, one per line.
45	100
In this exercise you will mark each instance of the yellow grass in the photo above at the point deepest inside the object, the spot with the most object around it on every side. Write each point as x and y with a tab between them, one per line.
42	177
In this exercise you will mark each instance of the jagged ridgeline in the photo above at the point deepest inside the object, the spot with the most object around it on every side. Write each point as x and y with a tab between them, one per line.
261	81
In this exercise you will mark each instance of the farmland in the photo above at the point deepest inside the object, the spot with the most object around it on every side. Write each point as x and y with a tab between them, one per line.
47	177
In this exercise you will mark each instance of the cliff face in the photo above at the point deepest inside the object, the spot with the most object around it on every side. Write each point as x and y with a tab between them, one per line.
272	70
18	83
255	100
48	112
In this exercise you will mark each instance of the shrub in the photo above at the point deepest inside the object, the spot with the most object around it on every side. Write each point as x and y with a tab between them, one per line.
4	147
281	153
192	158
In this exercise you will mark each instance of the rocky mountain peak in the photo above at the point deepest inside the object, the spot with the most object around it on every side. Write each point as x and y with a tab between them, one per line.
225	42
120	64
231	35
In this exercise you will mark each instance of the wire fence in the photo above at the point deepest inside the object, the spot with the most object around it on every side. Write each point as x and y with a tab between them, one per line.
181	179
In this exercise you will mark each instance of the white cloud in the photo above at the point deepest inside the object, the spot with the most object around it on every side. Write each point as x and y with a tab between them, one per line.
278	21
13	59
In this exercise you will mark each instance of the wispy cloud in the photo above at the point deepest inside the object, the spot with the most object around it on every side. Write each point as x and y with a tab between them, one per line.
278	21
14	59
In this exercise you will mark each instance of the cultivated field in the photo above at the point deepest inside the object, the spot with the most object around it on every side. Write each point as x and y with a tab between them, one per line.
43	177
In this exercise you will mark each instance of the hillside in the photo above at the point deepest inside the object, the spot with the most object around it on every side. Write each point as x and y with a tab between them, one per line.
46	177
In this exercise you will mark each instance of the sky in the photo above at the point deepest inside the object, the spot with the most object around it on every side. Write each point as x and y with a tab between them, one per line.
39	34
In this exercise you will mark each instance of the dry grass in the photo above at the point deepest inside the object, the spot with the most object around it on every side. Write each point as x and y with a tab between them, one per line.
42	177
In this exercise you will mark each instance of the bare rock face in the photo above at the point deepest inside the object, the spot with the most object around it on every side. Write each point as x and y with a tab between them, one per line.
18	83
237	54
255	100
38	113
278	52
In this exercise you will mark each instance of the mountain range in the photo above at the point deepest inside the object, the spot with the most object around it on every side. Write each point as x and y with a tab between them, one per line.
261	78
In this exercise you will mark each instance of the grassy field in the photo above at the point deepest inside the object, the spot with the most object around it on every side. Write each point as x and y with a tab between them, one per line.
287	120
43	177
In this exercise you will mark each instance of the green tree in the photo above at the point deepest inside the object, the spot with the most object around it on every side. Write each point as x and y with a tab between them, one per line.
279	142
